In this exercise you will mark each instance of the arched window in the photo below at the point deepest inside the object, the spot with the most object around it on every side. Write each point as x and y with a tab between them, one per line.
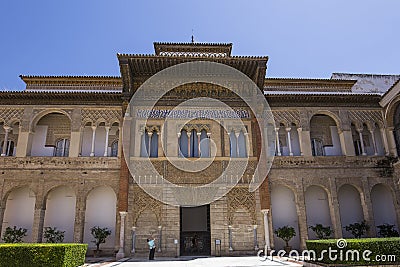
233	145
62	148
183	144
114	149
154	145
194	144
9	149
241	145
317	147
204	145
149	147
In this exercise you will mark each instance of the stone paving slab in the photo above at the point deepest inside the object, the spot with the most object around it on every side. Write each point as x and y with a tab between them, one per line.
252	261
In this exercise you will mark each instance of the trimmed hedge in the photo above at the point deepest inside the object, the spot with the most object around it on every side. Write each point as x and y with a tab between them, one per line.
377	246
39	255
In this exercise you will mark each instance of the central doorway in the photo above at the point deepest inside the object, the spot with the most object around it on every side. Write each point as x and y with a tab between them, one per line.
195	231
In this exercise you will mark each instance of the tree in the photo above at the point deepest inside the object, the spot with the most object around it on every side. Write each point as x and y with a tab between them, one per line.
100	235
285	233
14	235
357	229
322	232
387	230
52	235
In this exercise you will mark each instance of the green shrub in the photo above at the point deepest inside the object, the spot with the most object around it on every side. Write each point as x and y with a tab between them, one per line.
285	233
14	235
100	235
387	230
321	232
52	235
39	255
357	229
390	247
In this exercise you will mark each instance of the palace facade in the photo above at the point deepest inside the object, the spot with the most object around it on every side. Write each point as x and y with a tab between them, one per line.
62	162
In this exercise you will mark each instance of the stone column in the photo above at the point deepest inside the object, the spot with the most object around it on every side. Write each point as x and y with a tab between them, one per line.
37	228
278	145
179	145
334	209
247	144
75	148
360	130
302	217
7	130
289	141
385	141
266	231
80	212
209	144
159	238
305	143
106	141
346	142
230	237
198	144
237	143
391	142
188	137
150	134
93	140
299	133
255	237
133	239
373	141
121	251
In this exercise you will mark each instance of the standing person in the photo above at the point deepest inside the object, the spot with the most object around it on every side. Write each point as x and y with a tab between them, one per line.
152	247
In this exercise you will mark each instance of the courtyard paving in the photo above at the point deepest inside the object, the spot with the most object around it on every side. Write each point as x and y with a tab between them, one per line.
195	262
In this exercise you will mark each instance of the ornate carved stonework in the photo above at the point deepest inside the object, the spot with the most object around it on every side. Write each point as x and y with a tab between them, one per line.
143	202
240	197
8	115
108	116
287	117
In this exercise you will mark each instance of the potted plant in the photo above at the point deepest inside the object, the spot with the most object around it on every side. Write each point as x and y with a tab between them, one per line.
321	232
100	235
286	233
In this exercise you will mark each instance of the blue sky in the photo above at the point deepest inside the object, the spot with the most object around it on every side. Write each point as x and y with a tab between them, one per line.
303	38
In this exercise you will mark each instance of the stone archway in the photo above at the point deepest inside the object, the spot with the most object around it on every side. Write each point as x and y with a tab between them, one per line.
20	210
101	206
283	213
350	207
60	211
383	206
317	208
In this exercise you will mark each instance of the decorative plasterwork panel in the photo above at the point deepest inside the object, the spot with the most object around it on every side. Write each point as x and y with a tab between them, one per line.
369	117
240	197
142	202
101	115
10	115
287	117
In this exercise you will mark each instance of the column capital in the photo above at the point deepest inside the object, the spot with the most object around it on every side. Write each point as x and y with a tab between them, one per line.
288	129
123	214
265	211
94	127
277	129
6	128
159	227
134	228
255	226
199	133
107	128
